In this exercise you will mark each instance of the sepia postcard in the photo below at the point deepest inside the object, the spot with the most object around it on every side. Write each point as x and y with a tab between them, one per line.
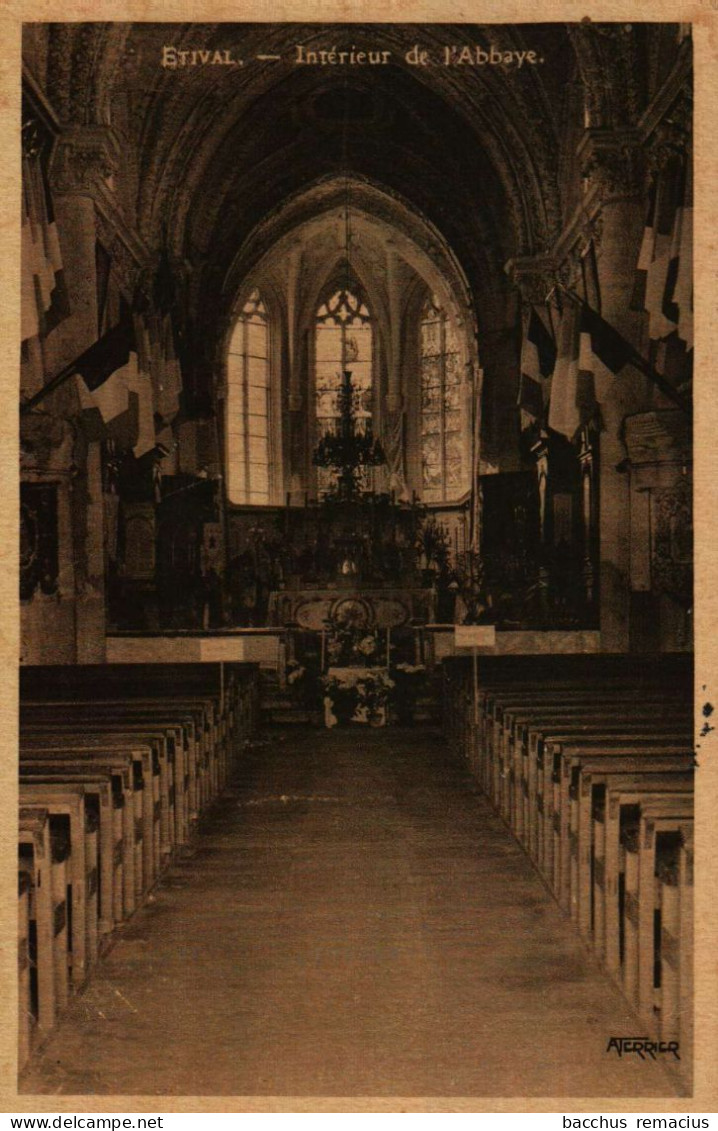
360	701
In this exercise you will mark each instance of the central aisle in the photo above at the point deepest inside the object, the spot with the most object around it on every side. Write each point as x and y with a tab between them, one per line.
354	921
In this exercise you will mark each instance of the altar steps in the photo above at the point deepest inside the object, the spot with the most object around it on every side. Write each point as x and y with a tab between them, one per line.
279	707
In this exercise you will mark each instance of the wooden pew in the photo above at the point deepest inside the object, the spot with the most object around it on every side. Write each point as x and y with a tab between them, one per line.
151	753
36	857
99	839
533	735
194	757
564	756
232	688
673	814
507	710
530	730
548	756
26	1018
650	753
500	708
42	758
68	876
599	851
539	733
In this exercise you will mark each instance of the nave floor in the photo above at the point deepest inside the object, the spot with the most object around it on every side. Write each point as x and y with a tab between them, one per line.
354	920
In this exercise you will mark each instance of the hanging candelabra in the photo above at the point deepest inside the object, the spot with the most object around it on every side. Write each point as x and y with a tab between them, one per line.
346	450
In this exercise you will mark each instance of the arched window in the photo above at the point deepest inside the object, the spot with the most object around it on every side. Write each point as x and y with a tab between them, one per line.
343	341
248	406
444	429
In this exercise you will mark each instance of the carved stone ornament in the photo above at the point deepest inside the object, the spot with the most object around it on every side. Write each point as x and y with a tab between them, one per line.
535	277
46	443
83	157
612	160
672	137
672	550
591	233
658	437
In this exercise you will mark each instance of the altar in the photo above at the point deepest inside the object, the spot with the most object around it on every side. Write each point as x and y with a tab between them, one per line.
316	609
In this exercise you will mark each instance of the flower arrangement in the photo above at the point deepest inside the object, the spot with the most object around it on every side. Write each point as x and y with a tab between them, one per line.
341	699
347	646
374	692
361	696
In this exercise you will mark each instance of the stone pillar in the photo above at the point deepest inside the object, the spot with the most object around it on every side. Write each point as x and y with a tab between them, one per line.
84	159
294	267
90	584
611	166
83	164
48	607
500	362
393	425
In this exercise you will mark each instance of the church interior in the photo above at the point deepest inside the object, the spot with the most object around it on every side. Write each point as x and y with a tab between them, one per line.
356	674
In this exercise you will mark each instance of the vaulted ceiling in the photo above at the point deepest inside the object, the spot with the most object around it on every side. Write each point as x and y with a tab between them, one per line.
211	155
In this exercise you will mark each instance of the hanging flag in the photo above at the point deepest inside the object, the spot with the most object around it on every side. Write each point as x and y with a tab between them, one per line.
658	260
141	385
44	301
530	399
609	348
106	369
605	343
678	293
538	356
107	355
645	255
564	414
538	359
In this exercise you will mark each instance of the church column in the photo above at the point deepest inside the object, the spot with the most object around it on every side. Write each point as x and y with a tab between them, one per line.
84	162
610	163
535	277
393	431
295	360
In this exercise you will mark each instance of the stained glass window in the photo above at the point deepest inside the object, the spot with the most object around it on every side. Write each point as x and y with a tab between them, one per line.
248	447
343	341
443	416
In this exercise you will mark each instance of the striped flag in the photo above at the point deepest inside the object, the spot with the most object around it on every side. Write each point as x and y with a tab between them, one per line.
666	256
44	301
106	369
538	359
678	293
564	415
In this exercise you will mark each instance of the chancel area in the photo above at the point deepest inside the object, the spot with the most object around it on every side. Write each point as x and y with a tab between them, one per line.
356	587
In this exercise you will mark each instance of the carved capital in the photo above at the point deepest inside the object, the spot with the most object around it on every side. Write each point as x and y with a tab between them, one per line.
612	162
84	157
535	276
671	138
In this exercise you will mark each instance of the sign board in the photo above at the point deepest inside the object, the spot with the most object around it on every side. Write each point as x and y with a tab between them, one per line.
475	636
